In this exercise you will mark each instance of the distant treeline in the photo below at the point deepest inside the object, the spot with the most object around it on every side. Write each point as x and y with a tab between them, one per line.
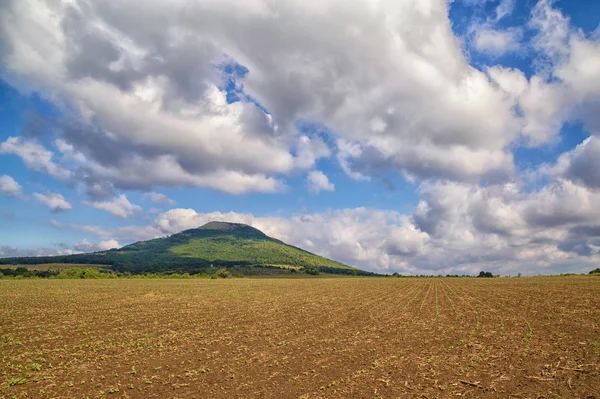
89	273
209	272
152	263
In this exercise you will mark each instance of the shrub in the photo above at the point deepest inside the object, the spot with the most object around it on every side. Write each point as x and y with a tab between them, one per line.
595	271
223	273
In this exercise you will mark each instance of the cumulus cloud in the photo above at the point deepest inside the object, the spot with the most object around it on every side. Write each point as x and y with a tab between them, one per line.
88	246
35	156
56	202
373	83
582	164
9	187
565	83
317	181
457	228
568	76
118	206
358	236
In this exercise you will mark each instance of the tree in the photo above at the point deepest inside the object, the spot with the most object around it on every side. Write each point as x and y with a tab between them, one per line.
595	271
485	274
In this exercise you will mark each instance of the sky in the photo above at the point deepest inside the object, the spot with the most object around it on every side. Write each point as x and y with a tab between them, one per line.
418	137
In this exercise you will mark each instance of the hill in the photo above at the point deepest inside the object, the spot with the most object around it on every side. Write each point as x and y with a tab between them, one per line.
236	246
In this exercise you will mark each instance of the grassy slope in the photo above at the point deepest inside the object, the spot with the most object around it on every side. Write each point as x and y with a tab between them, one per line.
230	243
265	252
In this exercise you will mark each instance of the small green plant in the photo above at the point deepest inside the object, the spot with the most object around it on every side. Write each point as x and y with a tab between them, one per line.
7	339
529	334
16	381
113	390
133	371
36	367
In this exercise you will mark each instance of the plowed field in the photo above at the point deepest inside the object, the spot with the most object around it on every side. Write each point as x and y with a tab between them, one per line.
310	338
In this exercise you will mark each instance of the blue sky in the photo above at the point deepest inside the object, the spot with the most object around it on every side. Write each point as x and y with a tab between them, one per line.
417	137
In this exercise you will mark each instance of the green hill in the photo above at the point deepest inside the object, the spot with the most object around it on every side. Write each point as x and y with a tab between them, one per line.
239	247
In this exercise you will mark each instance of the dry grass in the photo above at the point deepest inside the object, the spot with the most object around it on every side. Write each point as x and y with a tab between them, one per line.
311	338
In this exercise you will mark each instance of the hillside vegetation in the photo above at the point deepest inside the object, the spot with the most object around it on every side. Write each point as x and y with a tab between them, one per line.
265	252
239	247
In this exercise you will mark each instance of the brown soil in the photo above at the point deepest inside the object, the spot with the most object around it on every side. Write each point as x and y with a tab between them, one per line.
303	338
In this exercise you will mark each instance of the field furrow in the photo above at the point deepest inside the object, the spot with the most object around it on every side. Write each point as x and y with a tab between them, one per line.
317	338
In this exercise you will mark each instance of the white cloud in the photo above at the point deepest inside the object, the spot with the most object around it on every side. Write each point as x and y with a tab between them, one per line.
371	86
317	181
54	201
9	187
456	228
108	244
553	30
565	84
504	9
569	71
118	206
159	198
374	94
497	42
88	246
373	83
582	164
35	156
545	105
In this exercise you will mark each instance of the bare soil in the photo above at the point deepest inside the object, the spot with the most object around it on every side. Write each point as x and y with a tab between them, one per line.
301	338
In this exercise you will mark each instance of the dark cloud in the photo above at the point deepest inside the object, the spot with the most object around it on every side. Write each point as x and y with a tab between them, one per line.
581	247
585	163
585	231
